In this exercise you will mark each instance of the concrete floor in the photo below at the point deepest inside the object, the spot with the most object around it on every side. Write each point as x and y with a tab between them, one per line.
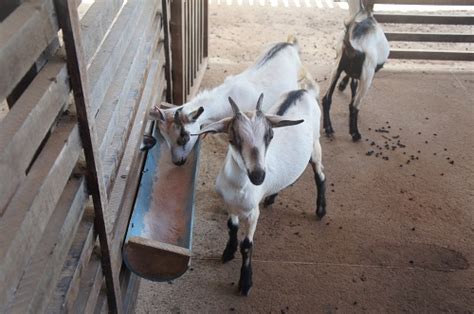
398	236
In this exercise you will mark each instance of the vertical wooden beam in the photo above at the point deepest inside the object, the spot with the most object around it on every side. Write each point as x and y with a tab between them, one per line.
178	51
206	29
165	6
69	22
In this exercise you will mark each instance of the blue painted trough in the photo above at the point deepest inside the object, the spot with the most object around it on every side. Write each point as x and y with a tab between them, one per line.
158	242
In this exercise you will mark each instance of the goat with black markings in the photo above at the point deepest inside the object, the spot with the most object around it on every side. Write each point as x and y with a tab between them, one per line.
363	52
264	157
276	71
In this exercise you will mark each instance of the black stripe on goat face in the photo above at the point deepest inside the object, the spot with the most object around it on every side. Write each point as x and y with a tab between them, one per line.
184	136
250	136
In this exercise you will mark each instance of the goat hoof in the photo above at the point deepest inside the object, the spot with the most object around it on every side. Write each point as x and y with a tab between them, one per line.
356	137
320	212
228	255
329	131
342	86
244	287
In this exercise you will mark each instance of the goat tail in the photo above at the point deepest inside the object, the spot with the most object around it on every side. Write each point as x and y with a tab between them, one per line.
306	81
292	39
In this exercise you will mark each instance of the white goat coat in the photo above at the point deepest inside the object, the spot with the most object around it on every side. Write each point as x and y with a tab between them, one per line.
275	77
287	157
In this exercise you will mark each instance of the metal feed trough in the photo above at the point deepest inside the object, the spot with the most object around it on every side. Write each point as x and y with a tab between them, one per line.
158	241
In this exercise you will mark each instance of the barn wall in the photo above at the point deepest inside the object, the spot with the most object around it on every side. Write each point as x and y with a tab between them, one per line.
76	82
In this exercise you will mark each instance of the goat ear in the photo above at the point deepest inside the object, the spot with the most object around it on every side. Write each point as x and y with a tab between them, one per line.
167	105
278	121
259	102
193	116
216	127
156	114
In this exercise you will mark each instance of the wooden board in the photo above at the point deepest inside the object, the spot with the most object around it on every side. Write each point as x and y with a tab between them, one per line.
24	34
27	123
430	37
431	55
67	288
158	241
95	24
41	274
101	71
422	2
424	19
30	209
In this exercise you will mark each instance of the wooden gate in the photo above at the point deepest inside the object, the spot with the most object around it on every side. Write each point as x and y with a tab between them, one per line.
427	37
76	82
189	29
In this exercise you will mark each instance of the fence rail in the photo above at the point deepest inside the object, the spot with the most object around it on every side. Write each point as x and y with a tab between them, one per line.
427	37
77	105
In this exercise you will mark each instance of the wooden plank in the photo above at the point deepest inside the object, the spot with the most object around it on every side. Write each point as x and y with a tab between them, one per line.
24	34
26	80
7	7
168	65
432	55
27	123
114	141
101	306
124	190
424	19
41	274
69	21
131	71
67	288
102	70
430	37
28	213
89	289
130	298
197	84
206	29
422	2
178	51
95	24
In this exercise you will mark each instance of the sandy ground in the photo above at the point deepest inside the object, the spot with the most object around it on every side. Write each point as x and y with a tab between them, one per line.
399	233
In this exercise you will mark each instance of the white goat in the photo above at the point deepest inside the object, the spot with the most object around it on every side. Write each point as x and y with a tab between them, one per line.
364	50
275	72
263	159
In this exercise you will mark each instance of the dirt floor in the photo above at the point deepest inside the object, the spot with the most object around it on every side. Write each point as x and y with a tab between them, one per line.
399	233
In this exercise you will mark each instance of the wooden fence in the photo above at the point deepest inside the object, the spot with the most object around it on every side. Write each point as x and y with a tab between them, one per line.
428	37
189	28
76	82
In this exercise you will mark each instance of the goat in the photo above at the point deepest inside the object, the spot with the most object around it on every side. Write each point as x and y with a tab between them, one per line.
275	72
263	159
363	52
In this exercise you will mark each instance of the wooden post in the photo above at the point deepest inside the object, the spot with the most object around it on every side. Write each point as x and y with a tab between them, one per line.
177	50
69	22
168	65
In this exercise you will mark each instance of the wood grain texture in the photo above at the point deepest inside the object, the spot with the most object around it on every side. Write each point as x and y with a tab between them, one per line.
69	21
41	274
431	55
29	211
24	34
67	288
430	37
101	72
424	19
96	23
27	123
